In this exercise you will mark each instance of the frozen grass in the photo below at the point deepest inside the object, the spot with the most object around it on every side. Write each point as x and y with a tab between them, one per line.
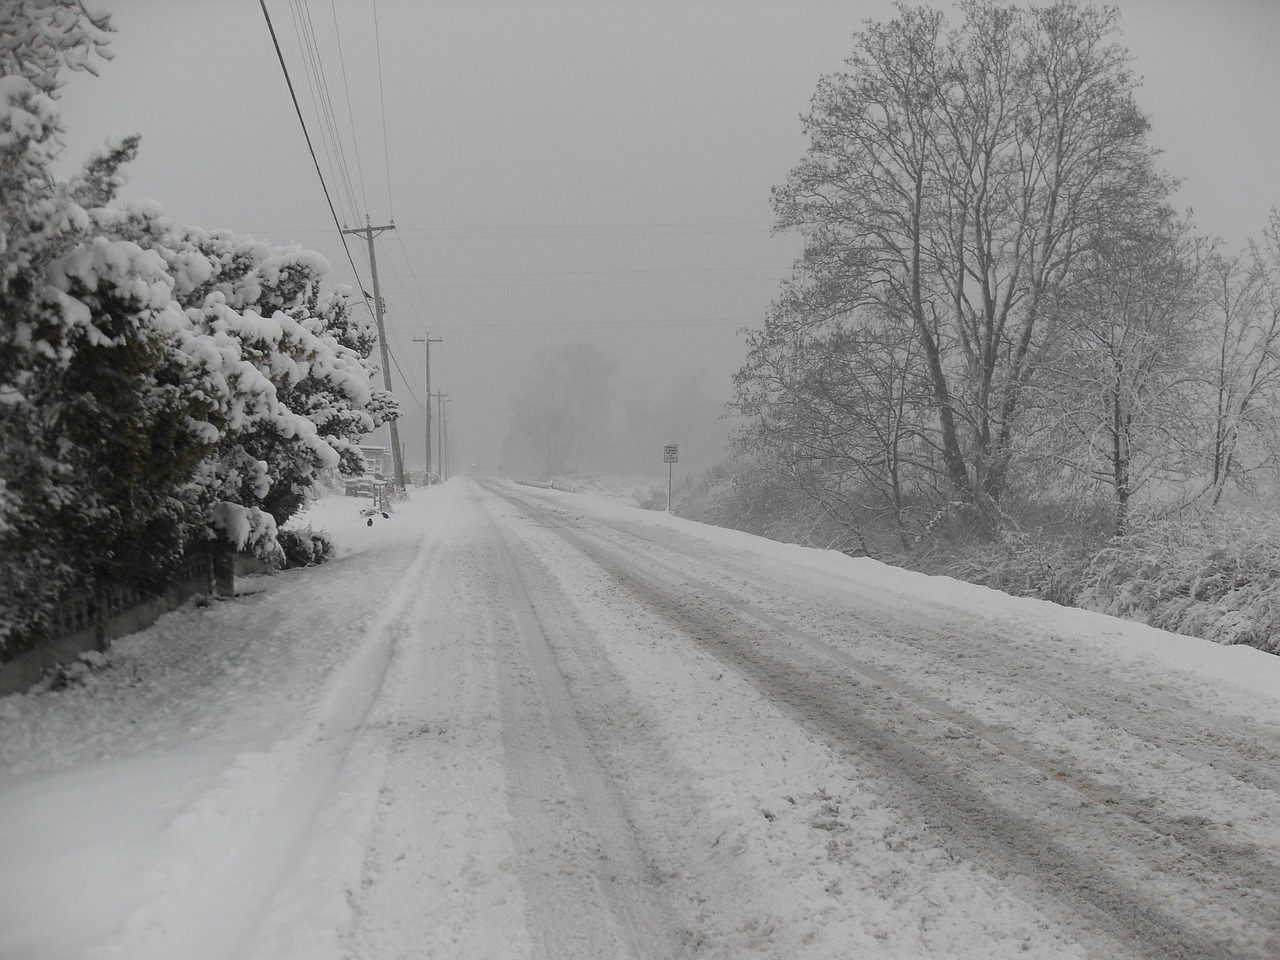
1218	579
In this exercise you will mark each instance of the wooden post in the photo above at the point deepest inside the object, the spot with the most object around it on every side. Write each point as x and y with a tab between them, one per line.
223	559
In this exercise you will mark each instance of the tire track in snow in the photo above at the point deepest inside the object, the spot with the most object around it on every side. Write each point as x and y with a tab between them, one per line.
1242	748
438	878
1230	761
1093	881
1261	871
590	891
301	808
1087	872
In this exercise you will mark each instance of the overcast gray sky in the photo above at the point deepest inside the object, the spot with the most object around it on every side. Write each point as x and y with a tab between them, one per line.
592	171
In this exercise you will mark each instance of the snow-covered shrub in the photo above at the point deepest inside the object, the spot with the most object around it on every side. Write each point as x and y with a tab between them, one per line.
77	673
100	432
654	498
1024	565
1041	545
158	386
313	353
753	495
1217	578
67	361
305	548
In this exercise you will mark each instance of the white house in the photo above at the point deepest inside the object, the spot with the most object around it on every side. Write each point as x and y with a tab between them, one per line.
377	461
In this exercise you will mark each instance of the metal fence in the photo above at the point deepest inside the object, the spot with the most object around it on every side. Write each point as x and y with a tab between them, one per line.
89	620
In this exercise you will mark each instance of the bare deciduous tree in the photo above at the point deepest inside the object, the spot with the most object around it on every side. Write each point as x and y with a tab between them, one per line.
844	411
1242	333
1123	397
952	181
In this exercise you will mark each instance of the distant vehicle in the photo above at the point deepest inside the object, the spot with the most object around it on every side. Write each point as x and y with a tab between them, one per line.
360	486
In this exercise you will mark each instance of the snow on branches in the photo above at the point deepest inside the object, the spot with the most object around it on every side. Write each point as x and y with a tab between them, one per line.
159	386
40	38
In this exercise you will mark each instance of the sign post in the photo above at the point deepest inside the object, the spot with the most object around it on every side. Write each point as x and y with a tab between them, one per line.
671	455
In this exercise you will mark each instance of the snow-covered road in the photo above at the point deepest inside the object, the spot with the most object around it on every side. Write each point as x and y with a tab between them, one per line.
510	722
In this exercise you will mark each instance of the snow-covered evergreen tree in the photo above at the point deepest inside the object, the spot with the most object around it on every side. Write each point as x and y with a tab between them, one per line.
159	386
44	332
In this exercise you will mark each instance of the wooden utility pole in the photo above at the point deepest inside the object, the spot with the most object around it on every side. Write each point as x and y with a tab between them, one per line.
427	341
440	437
446	455
369	232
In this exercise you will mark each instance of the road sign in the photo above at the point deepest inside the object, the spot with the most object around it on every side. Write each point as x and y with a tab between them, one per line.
670	454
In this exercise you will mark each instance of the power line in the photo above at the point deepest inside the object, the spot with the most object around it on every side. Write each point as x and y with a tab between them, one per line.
297	109
396	363
320	94
595	283
501	326
392	355
386	151
325	110
598	226
440	236
422	297
593	273
308	65
346	85
434	233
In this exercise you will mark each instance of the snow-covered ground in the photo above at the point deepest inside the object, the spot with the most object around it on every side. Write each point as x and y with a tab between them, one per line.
510	722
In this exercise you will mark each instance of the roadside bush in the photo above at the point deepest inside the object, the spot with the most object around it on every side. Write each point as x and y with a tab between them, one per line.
305	548
161	387
746	494
1218	579
1041	548
1025	565
654	498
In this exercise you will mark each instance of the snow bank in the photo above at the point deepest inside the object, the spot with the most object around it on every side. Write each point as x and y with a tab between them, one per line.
1239	668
